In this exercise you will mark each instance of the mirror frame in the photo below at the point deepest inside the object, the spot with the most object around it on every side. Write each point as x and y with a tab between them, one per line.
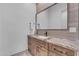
53	29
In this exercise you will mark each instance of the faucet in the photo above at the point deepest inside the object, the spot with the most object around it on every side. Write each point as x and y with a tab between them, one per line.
46	34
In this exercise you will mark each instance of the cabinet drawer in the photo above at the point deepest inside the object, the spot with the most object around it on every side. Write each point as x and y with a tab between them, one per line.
39	42
43	44
51	53
61	50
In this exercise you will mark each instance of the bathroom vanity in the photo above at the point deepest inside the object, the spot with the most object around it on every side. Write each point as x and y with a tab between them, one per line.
55	19
37	47
46	46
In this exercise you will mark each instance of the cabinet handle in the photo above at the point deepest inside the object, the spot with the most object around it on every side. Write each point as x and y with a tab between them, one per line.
58	50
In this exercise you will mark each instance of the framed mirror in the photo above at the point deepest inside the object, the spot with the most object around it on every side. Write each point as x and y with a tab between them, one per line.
55	17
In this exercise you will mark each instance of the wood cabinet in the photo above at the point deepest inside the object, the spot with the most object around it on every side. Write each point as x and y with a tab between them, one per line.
60	51
38	47
51	53
41	51
32	45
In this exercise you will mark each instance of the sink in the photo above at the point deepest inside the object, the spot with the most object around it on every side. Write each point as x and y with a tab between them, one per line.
43	37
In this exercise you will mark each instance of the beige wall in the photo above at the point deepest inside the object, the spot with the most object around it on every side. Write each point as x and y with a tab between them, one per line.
42	6
72	22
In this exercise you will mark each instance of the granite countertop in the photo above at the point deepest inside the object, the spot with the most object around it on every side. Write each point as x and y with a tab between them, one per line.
65	43
61	42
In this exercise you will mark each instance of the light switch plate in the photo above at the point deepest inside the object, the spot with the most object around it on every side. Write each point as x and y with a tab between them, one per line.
72	29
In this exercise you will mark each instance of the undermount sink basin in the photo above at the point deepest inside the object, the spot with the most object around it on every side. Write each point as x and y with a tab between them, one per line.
43	37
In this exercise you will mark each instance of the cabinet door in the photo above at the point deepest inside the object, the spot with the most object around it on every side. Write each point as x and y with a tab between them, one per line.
60	51
33	47
42	51
33	51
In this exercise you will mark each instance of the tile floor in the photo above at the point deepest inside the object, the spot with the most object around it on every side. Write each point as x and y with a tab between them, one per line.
23	53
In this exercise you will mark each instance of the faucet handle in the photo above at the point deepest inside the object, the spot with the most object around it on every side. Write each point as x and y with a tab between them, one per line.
46	34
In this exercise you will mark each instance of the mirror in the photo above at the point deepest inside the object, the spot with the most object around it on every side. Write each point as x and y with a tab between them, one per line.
54	17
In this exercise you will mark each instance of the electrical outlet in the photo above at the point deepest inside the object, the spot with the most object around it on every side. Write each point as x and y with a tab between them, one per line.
72	29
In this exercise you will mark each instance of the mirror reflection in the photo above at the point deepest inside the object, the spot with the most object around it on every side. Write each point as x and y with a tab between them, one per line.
55	17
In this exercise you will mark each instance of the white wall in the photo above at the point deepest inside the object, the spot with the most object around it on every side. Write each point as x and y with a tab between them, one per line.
14	27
